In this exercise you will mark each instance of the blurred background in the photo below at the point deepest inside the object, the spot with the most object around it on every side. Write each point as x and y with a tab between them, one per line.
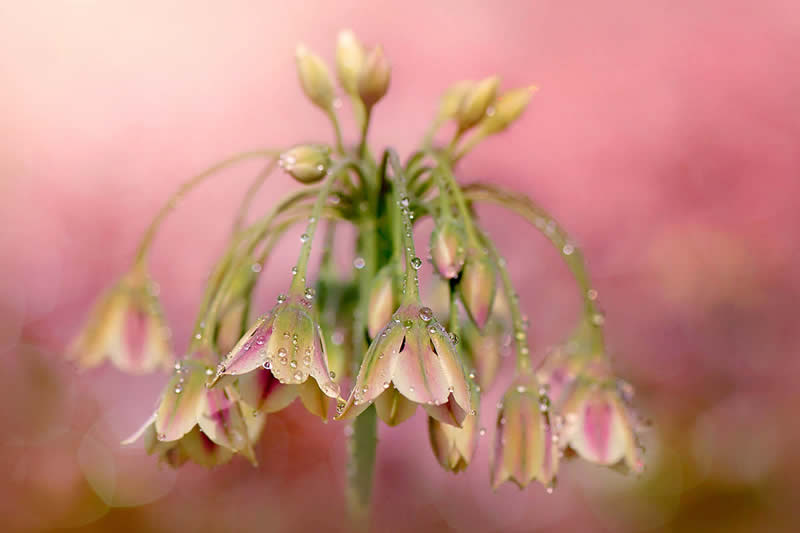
664	137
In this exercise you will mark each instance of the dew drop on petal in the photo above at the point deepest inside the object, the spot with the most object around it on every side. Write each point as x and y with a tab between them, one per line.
425	313
453	338
482	432
359	263
416	263
304	237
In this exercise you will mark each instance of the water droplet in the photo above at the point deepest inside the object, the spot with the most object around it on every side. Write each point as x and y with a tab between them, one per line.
178	389
294	271
209	372
544	403
404	201
304	237
425	313
281	298
385	384
568	249
293	364
482	432
359	263
503	421
162	436
408	324
309	293
178	366
520	335
298	376
267	365
416	263
521	389
591	294
260	340
472	375
198	336
332	374
598	319
256	267
282	352
453	338
411	389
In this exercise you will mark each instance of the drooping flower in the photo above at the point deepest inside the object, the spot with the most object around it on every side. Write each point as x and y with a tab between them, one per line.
414	357
600	425
287	342
454	446
189	414
381	300
524	446
126	326
484	350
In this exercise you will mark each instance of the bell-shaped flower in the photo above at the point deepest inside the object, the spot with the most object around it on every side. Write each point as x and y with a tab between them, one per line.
454	446
599	424
264	393
187	405
484	350
126	326
563	364
287	342
447	248
477	286
414	357
524	446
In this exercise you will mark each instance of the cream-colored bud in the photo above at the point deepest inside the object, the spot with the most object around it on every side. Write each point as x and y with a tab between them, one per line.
373	80
306	163
315	78
452	97
507	109
476	102
349	60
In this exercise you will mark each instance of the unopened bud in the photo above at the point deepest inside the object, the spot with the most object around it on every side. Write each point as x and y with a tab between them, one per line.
315	78
507	109
452	97
373	80
476	102
349	60
381	301
447	248
306	163
477	287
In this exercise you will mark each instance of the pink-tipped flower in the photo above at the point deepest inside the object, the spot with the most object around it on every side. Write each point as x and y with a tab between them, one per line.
382	301
373	78
599	424
263	393
477	286
454	446
415	357
186	407
125	326
287	342
447	248
524	446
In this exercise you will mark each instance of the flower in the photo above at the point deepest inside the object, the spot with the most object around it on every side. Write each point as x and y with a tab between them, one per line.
447	248
263	392
477	286
507	109
315	78
288	342
187	408
349	59
125	326
524	447
307	163
373	78
484	349
454	446
599	424
415	358
475	102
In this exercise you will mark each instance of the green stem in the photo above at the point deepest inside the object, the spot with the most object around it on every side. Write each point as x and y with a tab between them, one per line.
411	281
540	219
244	207
520	335
337	131
362	146
461	204
363	450
183	189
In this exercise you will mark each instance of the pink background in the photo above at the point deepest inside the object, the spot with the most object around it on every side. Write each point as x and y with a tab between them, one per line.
664	137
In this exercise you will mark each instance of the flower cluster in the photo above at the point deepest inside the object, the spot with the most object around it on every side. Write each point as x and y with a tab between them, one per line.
369	330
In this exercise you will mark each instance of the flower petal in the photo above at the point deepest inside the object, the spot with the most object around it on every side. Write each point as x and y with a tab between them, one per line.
181	402
314	399
202	450
261	391
394	408
250	352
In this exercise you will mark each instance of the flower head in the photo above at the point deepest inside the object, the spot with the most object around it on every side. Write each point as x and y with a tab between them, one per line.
454	446
447	248
475	102
315	78
349	60
287	342
524	446
126	326
187	407
373	78
477	286
599	424
415	357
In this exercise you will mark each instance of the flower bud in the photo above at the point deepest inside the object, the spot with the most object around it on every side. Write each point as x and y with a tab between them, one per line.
315	78
476	102
306	163
381	301
484	350
447	248
507	109
477	286
524	446
454	446
452	97
373	79
349	61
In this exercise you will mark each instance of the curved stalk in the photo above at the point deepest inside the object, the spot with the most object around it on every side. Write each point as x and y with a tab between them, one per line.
244	207
411	281
183	189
